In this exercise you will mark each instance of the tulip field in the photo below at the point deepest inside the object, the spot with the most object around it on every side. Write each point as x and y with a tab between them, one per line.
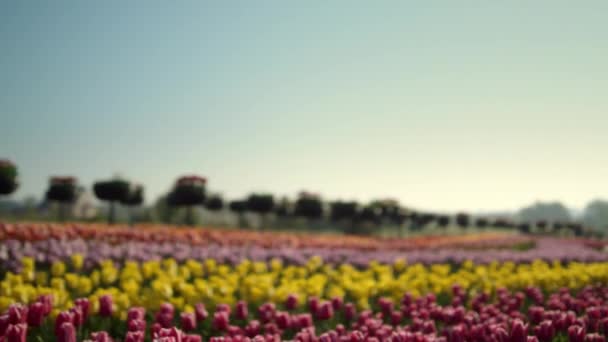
92	282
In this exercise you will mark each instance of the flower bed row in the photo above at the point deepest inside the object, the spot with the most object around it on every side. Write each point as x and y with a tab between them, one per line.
48	251
523	316
232	237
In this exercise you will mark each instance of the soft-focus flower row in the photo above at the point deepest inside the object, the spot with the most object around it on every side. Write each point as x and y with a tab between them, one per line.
94	252
170	302
234	237
152	283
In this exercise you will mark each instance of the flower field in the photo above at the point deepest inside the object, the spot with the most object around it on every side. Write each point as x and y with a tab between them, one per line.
101	283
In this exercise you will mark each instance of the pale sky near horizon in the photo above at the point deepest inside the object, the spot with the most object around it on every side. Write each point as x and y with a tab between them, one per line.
472	105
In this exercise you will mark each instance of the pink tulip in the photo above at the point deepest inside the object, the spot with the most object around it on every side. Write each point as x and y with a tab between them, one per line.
101	336
595	338
47	301
519	331
545	331
350	311
325	311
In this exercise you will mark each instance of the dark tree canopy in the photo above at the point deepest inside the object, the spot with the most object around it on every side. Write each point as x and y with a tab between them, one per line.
8	177
188	190
462	220
309	206
114	190
443	220
215	203
62	189
343	210
284	208
260	203
135	196
481	222
238	206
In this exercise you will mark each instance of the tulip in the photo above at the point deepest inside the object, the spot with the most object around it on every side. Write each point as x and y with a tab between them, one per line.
47	301
223	308
200	312
17	314
136	313
350	311
167	309
241	311
76	316
603	325
63	317
536	314
106	306
595	338
35	314
16	333
188	321
519	331
283	320
313	304
3	324
66	332
165	319
292	302
220	320
545	331
325	311
337	303
576	333
85	307
135	336
192	338
252	328
136	325
101	336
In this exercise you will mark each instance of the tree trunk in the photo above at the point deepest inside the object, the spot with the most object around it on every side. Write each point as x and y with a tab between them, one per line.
112	213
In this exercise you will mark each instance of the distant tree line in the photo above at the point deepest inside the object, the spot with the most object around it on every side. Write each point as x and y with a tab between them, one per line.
189	194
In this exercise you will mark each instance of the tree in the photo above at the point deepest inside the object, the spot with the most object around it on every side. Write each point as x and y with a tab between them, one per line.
63	190
8	177
113	191
596	214
262	204
549	211
481	222
284	208
443	221
215	203
239	207
462	220
309	206
188	191
134	198
524	228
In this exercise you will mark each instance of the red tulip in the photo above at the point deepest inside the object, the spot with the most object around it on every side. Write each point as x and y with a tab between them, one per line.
136	313
135	336
325	311
220	320
66	332
241	311
17	314
16	333
101	336
200	312
337	303
350	311
595	338
136	325
576	334
519	331
106	306
3	324
192	338
85	307
188	321
35	314
167	309
292	302
47	301
545	331
63	317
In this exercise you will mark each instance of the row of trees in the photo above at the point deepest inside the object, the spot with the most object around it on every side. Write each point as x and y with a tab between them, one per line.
190	192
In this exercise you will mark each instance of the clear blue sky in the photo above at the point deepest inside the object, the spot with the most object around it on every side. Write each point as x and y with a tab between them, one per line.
474	105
